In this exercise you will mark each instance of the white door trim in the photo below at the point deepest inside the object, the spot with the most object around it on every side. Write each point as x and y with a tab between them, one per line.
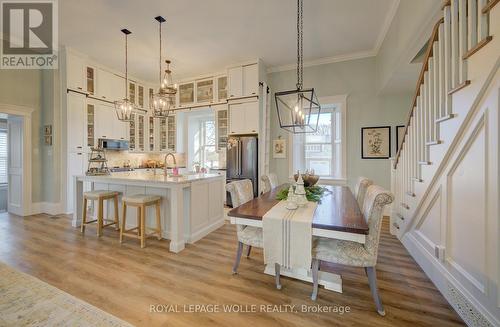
25	113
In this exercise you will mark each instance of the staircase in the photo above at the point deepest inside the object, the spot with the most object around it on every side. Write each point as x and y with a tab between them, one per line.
445	176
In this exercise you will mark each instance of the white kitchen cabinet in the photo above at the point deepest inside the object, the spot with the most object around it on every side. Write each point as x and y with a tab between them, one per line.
75	66
152	138
76	113
250	80
140	96
110	87
222	123
235	81
244	118
90	79
141	122
221	88
107	125
119	128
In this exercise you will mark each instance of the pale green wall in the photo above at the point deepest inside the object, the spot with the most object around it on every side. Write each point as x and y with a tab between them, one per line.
35	89
358	80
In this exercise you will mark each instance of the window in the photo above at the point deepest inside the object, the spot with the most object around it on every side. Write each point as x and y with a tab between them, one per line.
323	151
206	152
3	156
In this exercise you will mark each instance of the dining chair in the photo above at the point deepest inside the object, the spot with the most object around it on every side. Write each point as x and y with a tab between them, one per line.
360	190
355	254
270	182
241	192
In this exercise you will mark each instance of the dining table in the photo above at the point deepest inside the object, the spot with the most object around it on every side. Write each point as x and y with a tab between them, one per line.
337	216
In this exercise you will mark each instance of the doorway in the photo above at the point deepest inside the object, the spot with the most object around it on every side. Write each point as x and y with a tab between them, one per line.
15	159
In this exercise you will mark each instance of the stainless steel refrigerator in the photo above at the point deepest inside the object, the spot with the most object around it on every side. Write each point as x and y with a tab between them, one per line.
242	161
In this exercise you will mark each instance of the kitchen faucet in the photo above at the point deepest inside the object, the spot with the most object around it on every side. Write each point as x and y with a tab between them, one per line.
165	162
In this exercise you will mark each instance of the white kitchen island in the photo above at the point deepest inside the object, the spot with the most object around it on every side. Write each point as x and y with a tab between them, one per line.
191	206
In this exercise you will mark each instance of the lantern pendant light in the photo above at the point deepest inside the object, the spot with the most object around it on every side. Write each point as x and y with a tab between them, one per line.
124	107
298	109
163	101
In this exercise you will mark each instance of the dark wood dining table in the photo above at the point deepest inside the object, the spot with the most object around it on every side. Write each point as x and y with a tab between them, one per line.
337	215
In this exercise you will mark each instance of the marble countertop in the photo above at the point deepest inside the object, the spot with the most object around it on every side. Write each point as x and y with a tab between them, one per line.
148	177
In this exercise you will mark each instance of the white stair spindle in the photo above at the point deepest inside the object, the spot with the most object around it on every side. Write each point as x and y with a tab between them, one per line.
421	133
442	64
447	59
482	21
435	91
472	23
455	45
462	33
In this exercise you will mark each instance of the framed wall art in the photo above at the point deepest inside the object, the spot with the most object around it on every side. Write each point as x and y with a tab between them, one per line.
376	142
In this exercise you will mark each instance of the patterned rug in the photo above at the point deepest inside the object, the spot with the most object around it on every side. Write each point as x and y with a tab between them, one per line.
27	301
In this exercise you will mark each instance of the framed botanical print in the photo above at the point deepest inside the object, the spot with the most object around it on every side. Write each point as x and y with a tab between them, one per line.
279	149
400	133
376	142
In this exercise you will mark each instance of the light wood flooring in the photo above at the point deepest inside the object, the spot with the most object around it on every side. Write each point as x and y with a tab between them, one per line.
125	280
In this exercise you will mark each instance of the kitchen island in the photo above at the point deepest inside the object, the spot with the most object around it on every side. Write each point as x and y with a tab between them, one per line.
191	206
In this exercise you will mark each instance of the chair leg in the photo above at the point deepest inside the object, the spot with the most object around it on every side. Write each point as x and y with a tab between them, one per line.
158	219
117	221
277	275
315	273
100	217
84	215
238	257
372	279
138	221
143	226
249	249
124	220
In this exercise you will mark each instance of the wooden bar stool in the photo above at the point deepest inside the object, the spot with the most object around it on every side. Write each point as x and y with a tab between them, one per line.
140	201
100	196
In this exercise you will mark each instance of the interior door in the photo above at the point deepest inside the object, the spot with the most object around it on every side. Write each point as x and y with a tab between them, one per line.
15	165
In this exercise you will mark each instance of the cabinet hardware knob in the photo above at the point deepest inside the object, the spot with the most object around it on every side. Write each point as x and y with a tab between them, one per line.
79	88
78	147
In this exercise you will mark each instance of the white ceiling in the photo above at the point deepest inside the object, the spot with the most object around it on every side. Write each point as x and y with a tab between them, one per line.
205	36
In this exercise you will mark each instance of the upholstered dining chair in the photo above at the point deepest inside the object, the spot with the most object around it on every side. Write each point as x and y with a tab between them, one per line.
351	253
241	192
360	190
270	182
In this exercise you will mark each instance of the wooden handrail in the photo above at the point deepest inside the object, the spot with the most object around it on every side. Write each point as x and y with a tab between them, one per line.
425	67
489	6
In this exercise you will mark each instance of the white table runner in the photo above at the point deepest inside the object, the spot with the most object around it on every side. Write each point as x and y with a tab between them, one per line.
288	235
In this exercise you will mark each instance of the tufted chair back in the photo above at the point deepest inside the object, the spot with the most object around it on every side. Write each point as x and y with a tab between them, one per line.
241	191
375	200
360	190
270	181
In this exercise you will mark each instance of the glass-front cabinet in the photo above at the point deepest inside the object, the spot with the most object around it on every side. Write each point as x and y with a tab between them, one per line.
151	134
90	126
90	80
163	134
172	133
205	91
140	96
221	88
131	92
140	132
222	125
132	133
186	93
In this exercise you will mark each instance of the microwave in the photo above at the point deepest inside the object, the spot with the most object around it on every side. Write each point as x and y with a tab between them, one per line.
112	144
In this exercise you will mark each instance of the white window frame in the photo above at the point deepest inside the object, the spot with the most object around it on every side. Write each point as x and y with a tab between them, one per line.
340	101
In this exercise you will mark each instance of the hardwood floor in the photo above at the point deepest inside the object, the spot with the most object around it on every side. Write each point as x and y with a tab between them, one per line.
126	280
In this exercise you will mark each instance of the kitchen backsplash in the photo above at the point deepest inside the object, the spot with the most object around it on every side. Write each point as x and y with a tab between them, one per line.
120	158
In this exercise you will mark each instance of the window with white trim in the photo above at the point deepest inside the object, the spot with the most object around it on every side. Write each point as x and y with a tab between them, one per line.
3	156
322	151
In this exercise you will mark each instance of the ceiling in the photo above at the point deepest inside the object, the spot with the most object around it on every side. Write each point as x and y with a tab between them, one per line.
205	36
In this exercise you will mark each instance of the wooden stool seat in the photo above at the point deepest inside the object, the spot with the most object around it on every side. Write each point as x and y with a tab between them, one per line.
140	201
100	196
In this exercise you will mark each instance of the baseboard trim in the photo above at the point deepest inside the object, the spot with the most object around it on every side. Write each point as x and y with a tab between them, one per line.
50	208
205	231
476	315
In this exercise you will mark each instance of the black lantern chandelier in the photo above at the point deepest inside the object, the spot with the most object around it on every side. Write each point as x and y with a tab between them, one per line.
299	109
124	106
163	101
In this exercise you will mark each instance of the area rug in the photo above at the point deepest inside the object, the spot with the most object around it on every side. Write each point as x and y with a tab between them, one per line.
27	301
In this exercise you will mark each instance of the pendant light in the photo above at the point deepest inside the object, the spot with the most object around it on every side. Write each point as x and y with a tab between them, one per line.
124	107
163	101
298	109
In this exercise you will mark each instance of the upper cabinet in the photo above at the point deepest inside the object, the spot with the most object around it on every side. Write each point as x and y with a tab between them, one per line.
186	94
140	96
221	88
90	80
75	66
205	91
110	87
243	81
244	118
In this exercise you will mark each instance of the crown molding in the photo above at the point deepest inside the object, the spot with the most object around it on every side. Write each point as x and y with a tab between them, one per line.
352	56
